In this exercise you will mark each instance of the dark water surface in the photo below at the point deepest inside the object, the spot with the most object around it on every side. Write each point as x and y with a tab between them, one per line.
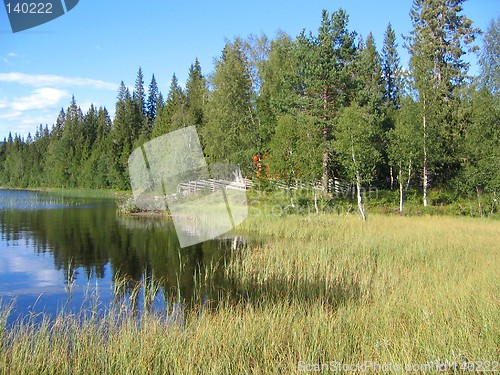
59	252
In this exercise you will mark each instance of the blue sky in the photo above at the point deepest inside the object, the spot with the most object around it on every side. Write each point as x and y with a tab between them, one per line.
88	51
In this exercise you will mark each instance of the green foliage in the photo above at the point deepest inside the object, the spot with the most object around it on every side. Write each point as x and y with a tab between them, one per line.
391	69
138	96
173	115
370	80
152	104
296	149
230	132
441	37
490	66
480	151
314	94
196	95
355	135
405	141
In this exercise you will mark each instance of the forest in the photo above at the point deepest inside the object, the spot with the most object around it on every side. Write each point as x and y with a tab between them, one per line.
319	108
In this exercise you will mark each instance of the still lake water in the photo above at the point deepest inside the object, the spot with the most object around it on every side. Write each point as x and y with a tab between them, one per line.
58	252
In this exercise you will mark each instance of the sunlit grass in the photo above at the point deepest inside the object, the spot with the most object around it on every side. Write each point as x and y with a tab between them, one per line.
318	289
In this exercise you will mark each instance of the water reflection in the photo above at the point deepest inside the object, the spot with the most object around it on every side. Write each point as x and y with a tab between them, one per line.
65	253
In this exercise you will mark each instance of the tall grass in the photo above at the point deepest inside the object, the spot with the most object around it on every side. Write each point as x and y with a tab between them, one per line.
319	289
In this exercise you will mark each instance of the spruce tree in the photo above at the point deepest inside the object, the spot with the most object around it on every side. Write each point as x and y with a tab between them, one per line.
138	95
196	94
123	135
173	115
152	103
369	74
391	69
393	82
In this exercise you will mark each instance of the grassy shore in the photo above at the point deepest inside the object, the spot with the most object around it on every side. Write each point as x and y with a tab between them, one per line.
321	288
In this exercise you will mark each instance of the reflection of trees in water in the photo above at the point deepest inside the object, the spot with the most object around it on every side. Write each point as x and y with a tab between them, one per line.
142	252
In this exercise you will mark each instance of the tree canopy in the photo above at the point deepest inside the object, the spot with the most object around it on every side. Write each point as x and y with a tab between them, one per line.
323	106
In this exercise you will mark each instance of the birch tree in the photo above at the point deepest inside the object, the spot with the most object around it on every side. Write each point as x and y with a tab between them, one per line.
296	151
229	134
440	38
404	145
356	135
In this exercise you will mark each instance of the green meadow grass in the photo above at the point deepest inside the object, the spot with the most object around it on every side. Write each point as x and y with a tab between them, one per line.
320	288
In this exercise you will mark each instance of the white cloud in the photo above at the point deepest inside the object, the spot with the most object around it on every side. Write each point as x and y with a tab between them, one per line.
48	277
38	80
40	99
38	272
10	116
11	55
27	123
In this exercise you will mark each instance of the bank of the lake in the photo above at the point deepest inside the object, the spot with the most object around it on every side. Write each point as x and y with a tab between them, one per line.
321	289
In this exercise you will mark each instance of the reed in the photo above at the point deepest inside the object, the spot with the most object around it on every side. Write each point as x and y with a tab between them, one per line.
319	288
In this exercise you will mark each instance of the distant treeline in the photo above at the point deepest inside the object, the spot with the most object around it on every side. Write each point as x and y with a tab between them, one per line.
313	107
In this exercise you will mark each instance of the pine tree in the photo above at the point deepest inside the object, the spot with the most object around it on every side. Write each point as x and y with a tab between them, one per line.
325	63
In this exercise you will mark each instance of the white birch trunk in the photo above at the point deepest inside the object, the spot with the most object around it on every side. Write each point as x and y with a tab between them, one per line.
479	206
360	198
324	178
392	177
426	177
401	189
409	175
358	187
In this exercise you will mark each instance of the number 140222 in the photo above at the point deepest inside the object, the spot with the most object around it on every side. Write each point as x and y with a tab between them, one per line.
29	8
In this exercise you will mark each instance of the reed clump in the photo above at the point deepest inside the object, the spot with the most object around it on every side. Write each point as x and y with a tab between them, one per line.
320	289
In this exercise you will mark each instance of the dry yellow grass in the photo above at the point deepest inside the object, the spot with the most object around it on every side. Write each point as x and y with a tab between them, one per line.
322	288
